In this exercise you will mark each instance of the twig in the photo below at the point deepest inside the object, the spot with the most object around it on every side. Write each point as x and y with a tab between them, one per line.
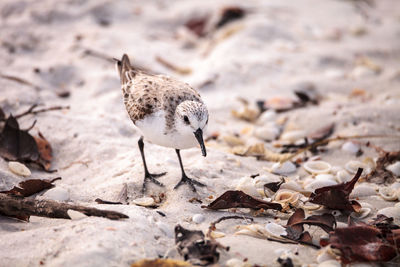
12	206
212	225
20	80
173	67
32	111
100	201
338	138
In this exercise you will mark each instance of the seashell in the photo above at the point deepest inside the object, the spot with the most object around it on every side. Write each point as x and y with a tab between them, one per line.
363	190
264	179
287	196
19	168
267	132
246	113
388	193
310	206
57	193
324	176
293	136
330	263
256	150
351	147
144	201
198	218
279	103
76	215
267	117
343	176
233	140
283	168
394	168
292	185
317	167
247	185
275	229
216	234
336	169
391	212
353	165
255	230
276	157
319	183
364	212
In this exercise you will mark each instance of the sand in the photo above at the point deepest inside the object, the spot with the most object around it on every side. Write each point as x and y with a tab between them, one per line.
277	47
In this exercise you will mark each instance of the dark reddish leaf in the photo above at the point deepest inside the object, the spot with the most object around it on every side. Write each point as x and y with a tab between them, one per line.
100	201
45	152
230	14
380	174
30	187
16	144
2	114
193	246
197	25
325	221
337	196
239	199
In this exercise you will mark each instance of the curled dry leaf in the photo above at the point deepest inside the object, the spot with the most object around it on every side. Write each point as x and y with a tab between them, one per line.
45	152
29	187
194	247
380	174
239	199
337	196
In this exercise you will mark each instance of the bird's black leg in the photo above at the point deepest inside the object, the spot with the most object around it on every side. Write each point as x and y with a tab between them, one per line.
184	178
147	174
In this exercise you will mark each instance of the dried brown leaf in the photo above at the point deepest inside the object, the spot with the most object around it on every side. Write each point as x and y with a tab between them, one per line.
30	187
45	152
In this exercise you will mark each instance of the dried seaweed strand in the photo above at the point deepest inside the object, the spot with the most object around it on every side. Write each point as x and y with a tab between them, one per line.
338	138
20	80
173	67
32	111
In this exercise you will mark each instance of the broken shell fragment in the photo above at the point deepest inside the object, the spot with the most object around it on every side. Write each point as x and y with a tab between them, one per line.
144	201
76	215
248	186
351	147
233	140
317	167
362	213
394	168
319	183
343	176
275	229
246	113
310	206
283	168
19	168
293	136
388	193
255	230
267	132
353	165
363	190
287	196
216	234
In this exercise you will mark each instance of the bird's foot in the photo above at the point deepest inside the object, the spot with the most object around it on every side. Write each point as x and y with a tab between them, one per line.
190	182
151	177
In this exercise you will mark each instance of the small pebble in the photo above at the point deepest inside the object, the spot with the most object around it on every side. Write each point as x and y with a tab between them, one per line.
19	168
144	201
351	147
198	218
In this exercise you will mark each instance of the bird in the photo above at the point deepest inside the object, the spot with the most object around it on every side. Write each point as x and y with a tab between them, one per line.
167	112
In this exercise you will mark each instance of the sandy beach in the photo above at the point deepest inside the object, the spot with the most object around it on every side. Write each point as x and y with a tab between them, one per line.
342	55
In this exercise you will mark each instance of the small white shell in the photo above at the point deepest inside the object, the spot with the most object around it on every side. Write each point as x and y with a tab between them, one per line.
256	230
353	165
330	263
310	206
292	185
76	215
325	177
319	183
267	117
363	190
285	168
267	132
388	193
19	168
247	185
293	136
343	176
287	196
144	201
275	229
216	234
57	193
364	212
351	147
198	218
317	167
394	168
391	212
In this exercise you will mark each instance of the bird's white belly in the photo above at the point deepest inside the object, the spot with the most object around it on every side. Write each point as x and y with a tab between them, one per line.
153	130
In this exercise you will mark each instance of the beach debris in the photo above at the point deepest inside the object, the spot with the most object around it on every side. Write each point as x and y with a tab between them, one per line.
246	113
198	218
388	193
76	215
19	168
287	198
351	147
13	206
284	168
193	246
394	168
211	229
45	152
267	132
20	81
256	150
57	193
145	202
362	213
173	67
274	186
101	201
317	167
353	165
336	197
30	187
233	141
229	14
160	263
392	212
378	241
293	136
382	172
239	199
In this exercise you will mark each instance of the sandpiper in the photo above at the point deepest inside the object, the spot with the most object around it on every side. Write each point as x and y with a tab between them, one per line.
168	113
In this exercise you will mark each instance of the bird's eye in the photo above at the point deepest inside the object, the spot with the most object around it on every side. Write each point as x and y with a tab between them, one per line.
186	119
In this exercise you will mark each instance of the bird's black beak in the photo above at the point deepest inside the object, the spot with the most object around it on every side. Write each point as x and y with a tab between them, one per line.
199	136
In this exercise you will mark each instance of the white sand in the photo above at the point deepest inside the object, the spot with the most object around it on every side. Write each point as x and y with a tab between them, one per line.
278	45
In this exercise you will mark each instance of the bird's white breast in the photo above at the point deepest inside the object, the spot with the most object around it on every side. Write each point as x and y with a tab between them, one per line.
153	130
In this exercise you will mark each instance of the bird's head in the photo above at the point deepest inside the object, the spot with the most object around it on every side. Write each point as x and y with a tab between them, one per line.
191	118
